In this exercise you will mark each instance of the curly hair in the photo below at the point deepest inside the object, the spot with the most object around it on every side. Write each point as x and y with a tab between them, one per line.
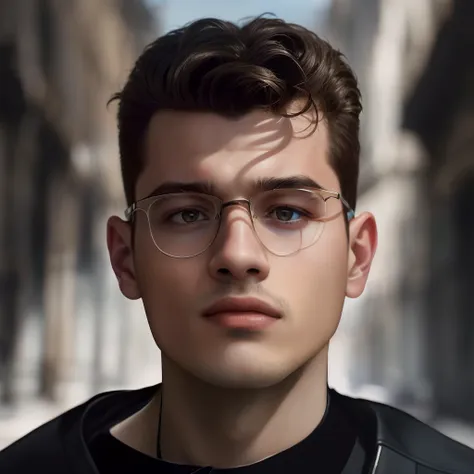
217	66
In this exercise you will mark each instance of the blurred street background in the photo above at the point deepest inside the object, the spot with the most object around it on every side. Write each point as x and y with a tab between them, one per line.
67	333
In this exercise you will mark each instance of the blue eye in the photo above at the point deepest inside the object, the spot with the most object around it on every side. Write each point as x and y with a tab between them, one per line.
286	214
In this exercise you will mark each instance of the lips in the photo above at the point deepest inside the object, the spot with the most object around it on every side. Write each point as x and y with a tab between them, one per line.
242	305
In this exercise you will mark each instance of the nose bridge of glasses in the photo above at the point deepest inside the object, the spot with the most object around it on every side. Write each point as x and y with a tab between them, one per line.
242	203
237	202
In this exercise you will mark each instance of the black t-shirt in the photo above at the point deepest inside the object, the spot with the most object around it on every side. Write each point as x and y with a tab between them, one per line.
333	447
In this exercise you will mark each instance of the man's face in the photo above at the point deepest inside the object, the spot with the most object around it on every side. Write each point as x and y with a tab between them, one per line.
306	288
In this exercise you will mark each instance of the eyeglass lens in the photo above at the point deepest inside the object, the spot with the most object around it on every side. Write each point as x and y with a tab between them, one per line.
285	221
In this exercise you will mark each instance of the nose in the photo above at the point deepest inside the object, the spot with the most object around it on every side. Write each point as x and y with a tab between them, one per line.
237	254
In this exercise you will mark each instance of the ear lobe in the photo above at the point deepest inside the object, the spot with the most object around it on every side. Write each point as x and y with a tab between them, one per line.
119	244
363	245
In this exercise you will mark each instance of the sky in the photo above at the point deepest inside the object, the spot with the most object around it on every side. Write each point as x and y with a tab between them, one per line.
178	12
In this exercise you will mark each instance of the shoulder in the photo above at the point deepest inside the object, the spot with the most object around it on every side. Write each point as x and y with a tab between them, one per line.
37	449
396	435
60	445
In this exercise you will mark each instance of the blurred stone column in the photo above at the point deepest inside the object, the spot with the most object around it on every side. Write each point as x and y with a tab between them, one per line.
18	149
60	286
7	275
98	277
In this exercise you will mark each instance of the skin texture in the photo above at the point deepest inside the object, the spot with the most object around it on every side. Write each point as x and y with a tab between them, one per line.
227	396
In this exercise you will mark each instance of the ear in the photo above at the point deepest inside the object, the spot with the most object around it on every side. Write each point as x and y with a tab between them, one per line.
362	247
119	243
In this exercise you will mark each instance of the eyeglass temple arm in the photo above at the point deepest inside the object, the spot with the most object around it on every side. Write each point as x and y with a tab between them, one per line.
129	211
350	212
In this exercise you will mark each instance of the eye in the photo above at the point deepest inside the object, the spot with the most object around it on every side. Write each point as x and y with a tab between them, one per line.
286	214
187	216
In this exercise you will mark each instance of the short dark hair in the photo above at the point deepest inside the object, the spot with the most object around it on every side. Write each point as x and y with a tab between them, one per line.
212	65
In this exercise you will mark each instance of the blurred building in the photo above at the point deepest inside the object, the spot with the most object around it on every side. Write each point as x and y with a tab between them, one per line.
60	61
412	332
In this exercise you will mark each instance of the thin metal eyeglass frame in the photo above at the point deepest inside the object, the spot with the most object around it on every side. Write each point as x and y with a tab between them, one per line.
130	211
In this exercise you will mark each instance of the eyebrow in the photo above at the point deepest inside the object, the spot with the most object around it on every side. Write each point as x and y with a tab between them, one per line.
261	184
169	187
289	182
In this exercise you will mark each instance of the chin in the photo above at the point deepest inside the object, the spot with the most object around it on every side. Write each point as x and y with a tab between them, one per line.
252	371
241	364
240	379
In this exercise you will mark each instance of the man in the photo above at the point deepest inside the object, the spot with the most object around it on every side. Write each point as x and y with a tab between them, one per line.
240	156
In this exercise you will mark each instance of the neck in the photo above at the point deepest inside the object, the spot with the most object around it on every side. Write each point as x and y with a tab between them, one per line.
205	425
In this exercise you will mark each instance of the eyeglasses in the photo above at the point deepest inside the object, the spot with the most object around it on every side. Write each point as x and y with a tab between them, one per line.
184	225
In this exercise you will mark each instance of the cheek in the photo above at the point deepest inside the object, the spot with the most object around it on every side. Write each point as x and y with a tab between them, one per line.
169	288
329	266
167	284
314	281
161	278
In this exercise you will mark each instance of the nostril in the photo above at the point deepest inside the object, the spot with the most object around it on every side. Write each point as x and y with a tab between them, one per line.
250	271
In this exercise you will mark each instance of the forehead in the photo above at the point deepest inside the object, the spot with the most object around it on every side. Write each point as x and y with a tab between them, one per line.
232	153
